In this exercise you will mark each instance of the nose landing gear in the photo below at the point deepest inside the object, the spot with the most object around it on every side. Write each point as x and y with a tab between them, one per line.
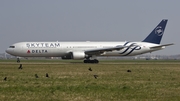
18	60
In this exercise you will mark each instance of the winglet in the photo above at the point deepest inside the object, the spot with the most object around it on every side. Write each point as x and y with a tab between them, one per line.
156	35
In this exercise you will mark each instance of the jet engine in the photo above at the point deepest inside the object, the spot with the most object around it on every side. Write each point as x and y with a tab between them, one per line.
75	55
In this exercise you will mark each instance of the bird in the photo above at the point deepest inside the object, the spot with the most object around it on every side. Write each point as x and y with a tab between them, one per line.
20	67
90	69
47	75
128	70
95	76
36	75
5	78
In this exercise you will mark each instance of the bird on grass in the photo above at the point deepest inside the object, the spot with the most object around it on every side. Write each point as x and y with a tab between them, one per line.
128	70
90	69
95	76
20	66
47	75
5	78
36	76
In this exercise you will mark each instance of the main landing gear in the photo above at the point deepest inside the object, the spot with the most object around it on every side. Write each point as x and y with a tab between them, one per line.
91	61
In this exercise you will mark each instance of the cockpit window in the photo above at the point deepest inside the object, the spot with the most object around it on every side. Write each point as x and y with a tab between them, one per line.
11	46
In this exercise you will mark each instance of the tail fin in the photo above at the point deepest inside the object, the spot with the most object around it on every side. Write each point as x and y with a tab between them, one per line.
156	35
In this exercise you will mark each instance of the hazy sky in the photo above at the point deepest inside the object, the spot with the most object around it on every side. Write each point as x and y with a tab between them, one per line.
88	20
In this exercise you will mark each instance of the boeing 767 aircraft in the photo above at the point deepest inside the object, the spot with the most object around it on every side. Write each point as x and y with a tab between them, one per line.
89	50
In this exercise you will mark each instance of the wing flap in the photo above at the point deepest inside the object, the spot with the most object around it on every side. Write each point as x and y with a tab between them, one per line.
102	50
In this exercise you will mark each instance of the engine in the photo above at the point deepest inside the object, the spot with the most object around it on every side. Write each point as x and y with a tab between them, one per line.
75	55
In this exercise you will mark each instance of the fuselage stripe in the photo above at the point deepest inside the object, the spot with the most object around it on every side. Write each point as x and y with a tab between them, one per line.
127	48
130	51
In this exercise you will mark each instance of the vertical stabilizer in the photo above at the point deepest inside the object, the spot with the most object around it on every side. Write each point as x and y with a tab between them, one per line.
156	35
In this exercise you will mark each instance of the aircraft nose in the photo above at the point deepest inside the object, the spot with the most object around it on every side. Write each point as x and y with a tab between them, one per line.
7	50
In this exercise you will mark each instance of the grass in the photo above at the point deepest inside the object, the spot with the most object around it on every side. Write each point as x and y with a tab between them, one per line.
72	81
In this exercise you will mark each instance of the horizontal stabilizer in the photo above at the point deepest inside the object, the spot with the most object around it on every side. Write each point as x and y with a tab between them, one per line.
161	46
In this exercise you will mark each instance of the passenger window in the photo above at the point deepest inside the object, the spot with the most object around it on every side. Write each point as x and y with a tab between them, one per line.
11	46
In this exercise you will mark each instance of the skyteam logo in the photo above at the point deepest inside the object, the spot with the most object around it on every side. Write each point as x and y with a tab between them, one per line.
42	45
159	31
132	47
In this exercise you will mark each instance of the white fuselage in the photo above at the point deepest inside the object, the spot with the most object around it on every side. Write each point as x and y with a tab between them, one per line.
59	49
88	50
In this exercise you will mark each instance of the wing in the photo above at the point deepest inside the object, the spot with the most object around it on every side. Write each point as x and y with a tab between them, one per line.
161	46
99	51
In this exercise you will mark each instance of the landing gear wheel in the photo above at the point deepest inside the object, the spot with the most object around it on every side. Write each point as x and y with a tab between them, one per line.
91	61
85	61
96	61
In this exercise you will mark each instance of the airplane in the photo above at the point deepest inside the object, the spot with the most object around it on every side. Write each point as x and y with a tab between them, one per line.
88	50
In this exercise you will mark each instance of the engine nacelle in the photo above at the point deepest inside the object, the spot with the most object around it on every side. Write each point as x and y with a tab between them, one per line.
74	55
78	55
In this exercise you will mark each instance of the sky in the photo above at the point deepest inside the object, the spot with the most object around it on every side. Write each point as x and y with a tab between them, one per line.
88	20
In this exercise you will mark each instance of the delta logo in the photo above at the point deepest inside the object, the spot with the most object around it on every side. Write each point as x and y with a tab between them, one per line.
28	51
37	51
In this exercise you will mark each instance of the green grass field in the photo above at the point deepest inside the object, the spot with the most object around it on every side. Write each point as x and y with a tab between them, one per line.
72	81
